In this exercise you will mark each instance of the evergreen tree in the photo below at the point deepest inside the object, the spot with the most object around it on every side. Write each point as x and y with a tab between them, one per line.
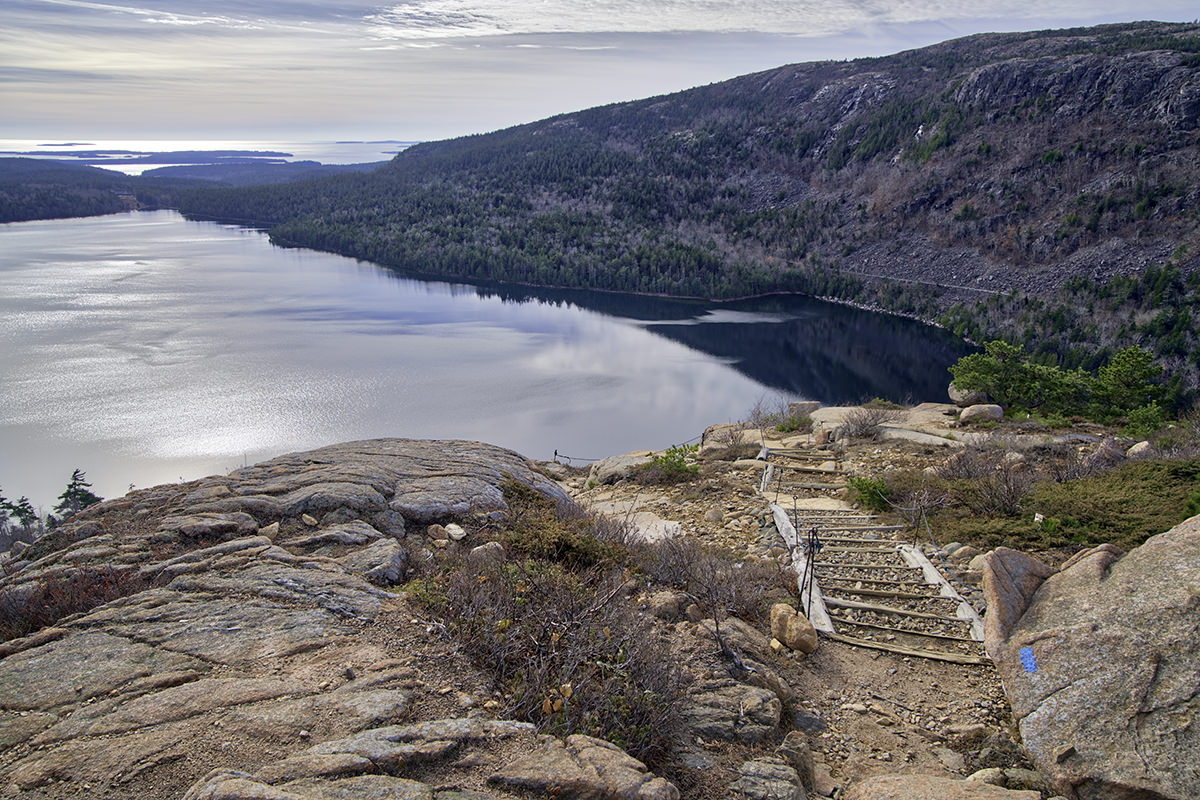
24	512
77	496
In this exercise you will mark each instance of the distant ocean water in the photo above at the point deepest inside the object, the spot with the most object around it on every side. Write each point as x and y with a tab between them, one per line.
130	155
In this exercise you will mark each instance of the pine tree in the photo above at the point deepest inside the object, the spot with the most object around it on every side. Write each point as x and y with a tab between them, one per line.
24	512
77	496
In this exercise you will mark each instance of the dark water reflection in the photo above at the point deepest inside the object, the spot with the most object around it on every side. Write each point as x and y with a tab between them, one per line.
791	344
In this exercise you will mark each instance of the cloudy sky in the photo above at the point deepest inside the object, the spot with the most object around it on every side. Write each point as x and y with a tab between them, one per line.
423	69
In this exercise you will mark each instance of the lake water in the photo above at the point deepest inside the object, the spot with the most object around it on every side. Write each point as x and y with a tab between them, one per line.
145	348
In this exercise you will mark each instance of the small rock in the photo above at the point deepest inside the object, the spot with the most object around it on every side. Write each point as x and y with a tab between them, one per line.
965	554
487	552
309	520
667	605
456	532
794	749
1140	450
793	628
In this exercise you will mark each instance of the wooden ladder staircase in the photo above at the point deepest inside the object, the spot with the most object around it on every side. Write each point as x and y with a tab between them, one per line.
862	585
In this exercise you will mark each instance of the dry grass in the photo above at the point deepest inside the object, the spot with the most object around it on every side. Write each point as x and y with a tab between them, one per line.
29	607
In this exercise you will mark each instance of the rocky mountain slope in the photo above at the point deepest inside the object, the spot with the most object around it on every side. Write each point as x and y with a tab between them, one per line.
255	644
295	631
969	168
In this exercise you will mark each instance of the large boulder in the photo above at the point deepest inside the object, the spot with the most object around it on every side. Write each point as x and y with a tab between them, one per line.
726	710
965	397
615	468
1103	672
981	412
1010	579
583	768
924	787
767	779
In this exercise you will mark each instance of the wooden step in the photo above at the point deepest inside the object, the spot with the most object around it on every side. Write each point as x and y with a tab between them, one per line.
816	486
868	528
939	636
835	565
849	540
885	593
953	658
835	548
789	453
898	612
881	582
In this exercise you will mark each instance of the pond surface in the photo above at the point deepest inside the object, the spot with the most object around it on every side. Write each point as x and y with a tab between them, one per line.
145	348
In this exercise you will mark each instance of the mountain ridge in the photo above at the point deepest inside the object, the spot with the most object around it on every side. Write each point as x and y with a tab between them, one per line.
734	188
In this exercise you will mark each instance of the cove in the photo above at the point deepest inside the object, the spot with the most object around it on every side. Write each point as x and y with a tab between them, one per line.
146	348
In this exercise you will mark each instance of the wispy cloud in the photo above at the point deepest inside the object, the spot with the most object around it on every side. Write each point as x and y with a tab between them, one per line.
416	19
416	69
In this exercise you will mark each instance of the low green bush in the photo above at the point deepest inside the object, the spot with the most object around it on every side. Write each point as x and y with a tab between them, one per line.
870	493
676	465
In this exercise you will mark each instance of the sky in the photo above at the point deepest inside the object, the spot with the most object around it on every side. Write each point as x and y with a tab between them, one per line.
430	69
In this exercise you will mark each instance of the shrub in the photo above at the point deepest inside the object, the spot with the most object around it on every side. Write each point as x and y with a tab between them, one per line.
870	493
541	528
1123	505
673	466
568	651
29	607
768	413
555	631
1144	421
717	582
998	493
865	422
795	424
879	402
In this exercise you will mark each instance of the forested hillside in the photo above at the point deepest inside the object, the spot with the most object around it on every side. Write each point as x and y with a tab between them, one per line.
1041	186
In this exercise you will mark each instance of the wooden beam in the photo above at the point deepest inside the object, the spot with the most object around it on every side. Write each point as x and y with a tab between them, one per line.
897	612
954	658
941	636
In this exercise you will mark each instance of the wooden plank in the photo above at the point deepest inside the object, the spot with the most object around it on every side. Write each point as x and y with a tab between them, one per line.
835	565
879	528
836	548
813	601
954	658
898	612
789	453
940	636
884	593
879	582
933	576
814	486
851	540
